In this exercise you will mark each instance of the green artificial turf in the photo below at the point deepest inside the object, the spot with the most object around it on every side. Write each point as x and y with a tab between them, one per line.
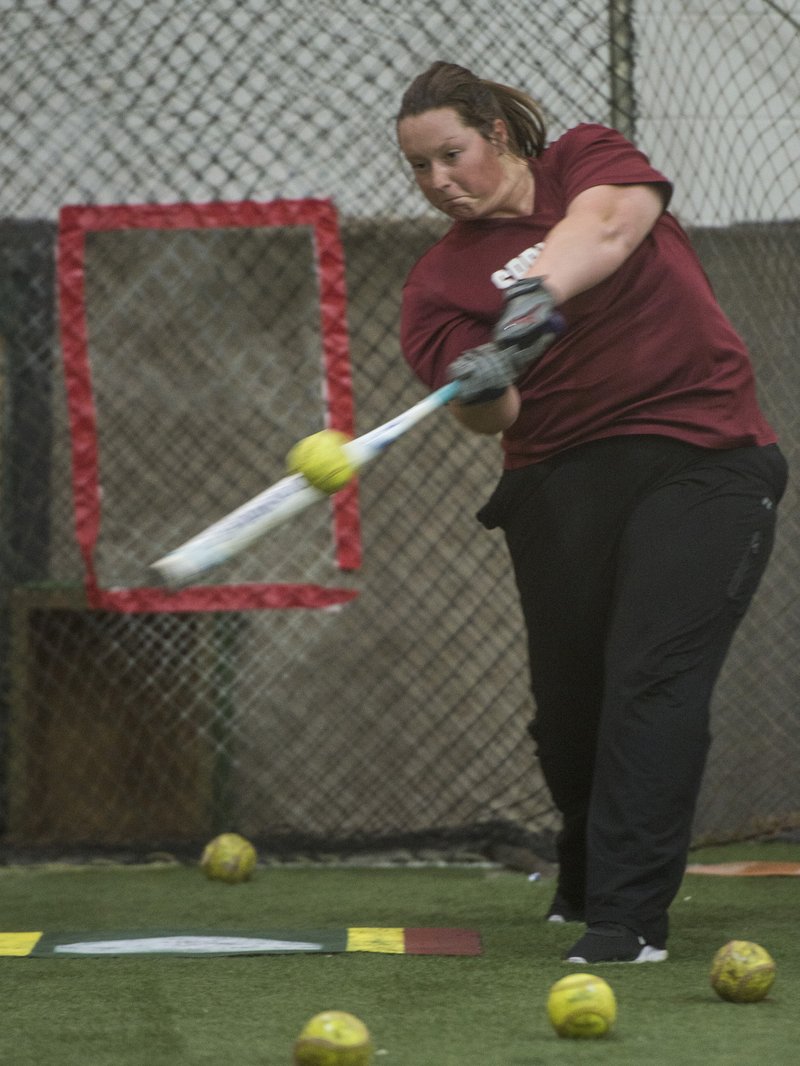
487	1010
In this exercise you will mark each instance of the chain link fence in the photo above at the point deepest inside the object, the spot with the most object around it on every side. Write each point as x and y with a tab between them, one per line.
167	338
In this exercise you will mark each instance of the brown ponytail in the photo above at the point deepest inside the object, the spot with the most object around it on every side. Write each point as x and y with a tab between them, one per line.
479	103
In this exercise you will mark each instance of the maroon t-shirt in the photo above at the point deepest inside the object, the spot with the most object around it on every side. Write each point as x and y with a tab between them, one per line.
648	350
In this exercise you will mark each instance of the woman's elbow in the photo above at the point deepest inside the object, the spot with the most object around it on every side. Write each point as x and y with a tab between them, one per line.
490	418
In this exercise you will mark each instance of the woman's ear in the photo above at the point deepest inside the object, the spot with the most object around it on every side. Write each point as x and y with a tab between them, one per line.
499	137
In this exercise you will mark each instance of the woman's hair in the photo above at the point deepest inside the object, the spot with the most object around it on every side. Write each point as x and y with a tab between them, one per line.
479	103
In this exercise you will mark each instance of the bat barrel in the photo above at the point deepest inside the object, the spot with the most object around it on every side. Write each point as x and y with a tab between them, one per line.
235	531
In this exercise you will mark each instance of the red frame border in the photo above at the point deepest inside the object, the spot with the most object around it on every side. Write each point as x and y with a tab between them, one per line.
74	224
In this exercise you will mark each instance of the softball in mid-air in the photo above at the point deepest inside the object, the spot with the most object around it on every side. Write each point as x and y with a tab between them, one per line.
742	972
230	858
582	1005
333	1038
322	460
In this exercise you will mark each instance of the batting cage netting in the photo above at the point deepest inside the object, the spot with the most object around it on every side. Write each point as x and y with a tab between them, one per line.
206	225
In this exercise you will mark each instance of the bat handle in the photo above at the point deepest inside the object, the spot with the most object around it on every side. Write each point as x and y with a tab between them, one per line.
362	449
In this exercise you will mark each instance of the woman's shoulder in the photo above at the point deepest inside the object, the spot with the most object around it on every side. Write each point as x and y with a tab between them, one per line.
582	135
593	154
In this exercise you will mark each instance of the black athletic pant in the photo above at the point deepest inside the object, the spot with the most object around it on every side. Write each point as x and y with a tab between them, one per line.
635	560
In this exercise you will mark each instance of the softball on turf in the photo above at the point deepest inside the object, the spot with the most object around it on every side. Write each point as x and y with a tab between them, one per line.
582	1005
333	1038
229	857
742	972
322	460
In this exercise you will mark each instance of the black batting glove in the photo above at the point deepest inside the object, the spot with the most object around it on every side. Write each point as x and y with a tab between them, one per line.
487	371
484	373
527	315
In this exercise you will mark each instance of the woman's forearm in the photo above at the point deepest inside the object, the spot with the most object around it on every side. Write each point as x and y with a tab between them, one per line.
603	226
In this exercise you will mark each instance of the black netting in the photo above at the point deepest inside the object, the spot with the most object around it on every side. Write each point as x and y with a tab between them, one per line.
402	714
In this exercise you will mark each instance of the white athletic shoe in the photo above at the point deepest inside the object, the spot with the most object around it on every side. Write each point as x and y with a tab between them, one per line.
610	942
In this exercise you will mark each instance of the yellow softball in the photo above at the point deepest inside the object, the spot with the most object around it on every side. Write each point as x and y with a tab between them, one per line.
230	858
322	460
742	972
333	1038
582	1005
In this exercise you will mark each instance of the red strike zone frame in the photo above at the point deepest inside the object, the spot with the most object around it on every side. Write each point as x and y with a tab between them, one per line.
74	223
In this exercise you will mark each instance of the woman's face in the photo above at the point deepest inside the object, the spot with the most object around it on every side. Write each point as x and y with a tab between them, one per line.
459	171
